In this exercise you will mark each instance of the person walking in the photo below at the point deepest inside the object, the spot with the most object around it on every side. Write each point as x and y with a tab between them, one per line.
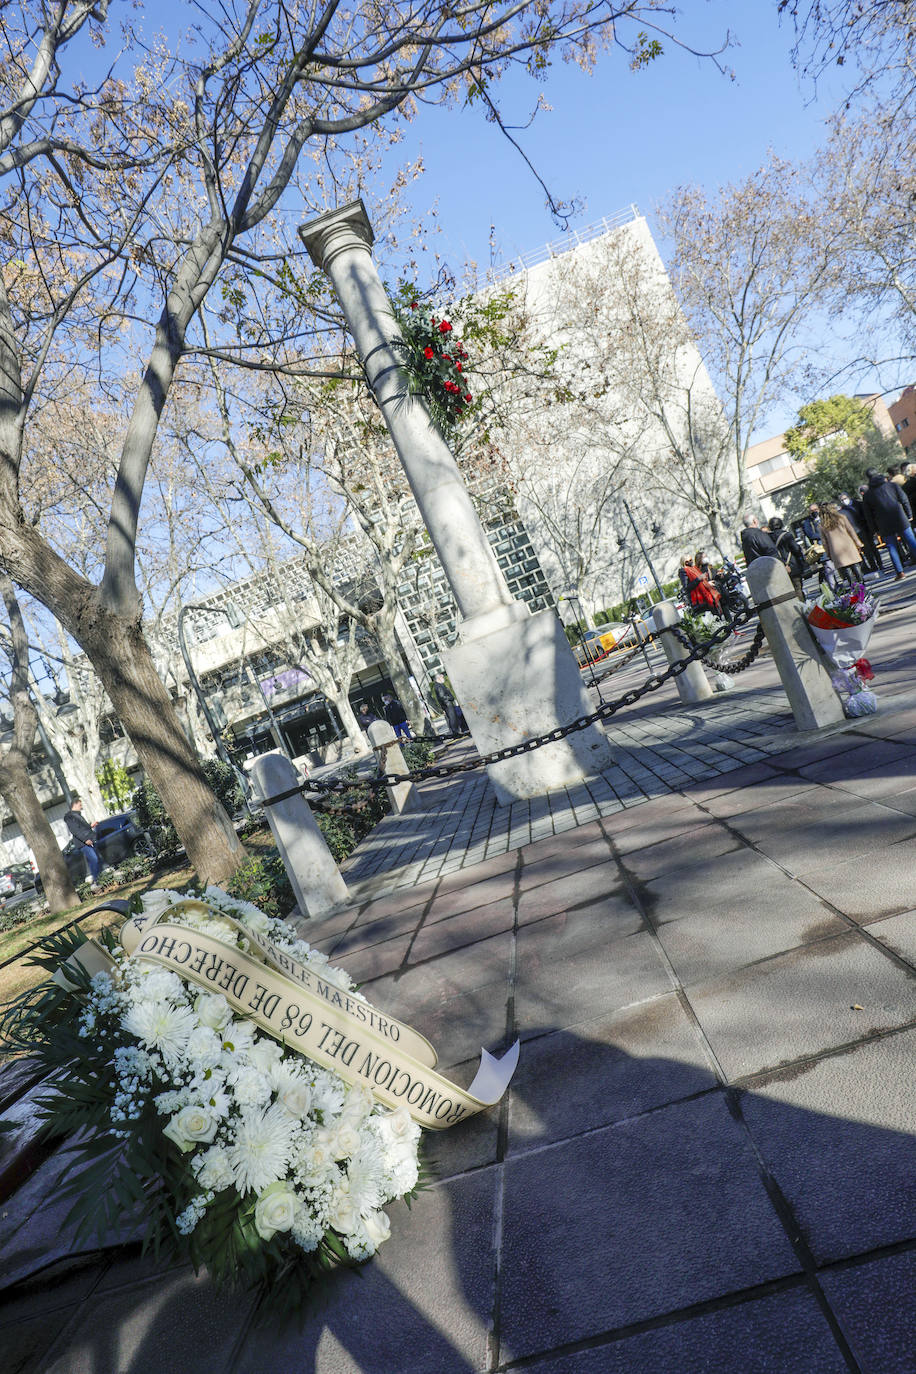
789	551
891	514
84	839
843	545
395	715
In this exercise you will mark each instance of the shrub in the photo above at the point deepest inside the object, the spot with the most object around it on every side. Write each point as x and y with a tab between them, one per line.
115	785
417	754
263	880
152	816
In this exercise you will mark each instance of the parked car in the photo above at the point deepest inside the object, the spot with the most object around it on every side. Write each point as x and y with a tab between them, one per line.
15	878
116	838
595	645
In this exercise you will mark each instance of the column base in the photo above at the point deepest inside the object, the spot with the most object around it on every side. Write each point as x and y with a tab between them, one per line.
521	680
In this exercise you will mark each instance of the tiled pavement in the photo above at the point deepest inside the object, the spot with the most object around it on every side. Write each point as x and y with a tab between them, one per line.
706	1159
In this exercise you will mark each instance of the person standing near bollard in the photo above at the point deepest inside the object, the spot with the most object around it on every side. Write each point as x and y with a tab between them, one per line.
755	542
84	839
843	545
789	551
395	715
444	698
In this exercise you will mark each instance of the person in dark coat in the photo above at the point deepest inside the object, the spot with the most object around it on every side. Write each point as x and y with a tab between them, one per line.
891	514
83	838
755	542
811	525
852	509
395	715
789	550
444	698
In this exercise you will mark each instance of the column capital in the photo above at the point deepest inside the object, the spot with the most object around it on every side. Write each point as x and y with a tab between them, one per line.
335	231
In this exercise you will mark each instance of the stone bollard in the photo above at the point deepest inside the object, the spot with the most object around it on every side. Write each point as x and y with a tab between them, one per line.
692	684
403	796
796	653
314	875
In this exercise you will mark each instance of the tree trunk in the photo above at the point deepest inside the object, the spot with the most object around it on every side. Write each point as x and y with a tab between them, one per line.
399	673
121	657
357	739
18	792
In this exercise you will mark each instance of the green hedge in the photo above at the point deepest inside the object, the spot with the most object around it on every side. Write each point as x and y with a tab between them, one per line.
152	817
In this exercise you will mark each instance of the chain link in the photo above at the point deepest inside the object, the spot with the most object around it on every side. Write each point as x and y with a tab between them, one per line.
703	646
696	652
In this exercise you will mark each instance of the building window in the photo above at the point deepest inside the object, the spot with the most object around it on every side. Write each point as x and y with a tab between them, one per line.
904	424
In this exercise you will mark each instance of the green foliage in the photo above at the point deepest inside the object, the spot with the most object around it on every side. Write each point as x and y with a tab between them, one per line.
840	434
152	816
116	785
417	754
434	360
344	829
841	416
263	881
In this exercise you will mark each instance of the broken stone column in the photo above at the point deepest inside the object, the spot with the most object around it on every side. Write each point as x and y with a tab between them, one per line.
795	651
692	684
514	674
403	796
313	872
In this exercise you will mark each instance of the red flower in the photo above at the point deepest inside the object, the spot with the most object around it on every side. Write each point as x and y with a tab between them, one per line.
457	367
413	305
467	396
428	352
444	327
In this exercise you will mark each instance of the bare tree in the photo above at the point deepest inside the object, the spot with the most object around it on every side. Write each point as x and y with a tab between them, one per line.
750	265
16	784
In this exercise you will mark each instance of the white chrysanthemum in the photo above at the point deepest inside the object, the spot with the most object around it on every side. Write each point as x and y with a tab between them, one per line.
402	1173
213	1169
337	977
204	1048
160	985
240	1035
250	1087
328	1093
263	1145
365	1173
161	1027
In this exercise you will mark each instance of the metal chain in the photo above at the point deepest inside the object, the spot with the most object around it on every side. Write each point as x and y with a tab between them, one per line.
739	665
603	712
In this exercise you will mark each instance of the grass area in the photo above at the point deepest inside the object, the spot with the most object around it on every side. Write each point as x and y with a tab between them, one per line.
19	976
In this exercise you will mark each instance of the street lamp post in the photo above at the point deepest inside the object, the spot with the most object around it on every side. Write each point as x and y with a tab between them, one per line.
573	598
645	551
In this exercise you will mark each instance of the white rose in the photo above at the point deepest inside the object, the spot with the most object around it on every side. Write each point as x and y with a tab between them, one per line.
343	1215
265	1054
378	1228
174	1134
297	1099
196	1123
346	1141
257	922
213	1010
399	1124
275	1209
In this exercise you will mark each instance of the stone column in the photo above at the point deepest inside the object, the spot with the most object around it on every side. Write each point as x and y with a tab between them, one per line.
313	872
795	651
403	796
692	684
514	673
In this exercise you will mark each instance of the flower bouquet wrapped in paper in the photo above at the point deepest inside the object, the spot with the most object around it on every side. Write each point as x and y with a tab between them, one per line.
842	623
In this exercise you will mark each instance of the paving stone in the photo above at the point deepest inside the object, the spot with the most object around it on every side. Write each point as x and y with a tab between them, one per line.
785	1333
472	894
570	932
821	832
555	993
876	1306
801	1003
697	847
377	932
182	1320
644	1217
604	1071
782	788
705	944
899	934
564	861
464	929
838	1138
372	961
651	829
423	1304
574	890
854	887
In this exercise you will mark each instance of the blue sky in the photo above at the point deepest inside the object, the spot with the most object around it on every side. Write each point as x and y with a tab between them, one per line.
617	136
